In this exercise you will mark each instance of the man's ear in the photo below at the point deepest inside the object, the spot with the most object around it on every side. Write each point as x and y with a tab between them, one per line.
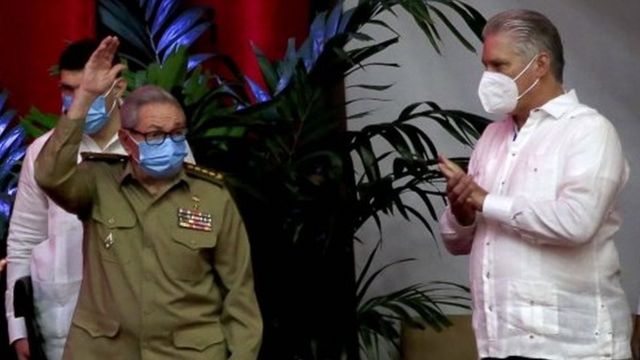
543	65
129	145
125	140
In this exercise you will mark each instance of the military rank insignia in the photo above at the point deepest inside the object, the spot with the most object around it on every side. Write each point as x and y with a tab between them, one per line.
108	241
194	219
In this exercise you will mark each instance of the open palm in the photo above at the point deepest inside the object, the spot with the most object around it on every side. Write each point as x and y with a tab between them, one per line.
99	73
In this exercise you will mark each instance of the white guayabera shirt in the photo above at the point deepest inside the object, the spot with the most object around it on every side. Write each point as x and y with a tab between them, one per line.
544	267
46	242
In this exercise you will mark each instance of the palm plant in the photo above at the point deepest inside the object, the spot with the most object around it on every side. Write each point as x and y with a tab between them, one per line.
36	122
415	306
155	28
304	183
12	150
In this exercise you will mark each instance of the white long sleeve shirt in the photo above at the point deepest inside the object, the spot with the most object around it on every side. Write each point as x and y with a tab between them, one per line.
544	268
46	242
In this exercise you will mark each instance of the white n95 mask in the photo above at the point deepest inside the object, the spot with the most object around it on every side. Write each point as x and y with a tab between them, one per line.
499	93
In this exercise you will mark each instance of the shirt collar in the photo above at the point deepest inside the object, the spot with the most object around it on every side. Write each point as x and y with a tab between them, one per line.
93	146
126	173
559	106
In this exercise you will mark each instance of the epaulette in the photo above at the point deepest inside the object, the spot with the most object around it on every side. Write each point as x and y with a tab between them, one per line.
204	173
110	158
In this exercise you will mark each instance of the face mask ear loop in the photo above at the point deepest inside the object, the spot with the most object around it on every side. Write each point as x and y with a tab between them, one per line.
113	106
137	144
131	137
111	88
525	68
522	72
529	89
115	102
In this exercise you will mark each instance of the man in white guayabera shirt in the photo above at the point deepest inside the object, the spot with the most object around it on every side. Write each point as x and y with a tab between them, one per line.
44	240
537	209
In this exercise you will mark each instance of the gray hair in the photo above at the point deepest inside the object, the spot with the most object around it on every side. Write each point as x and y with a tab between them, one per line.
148	94
533	33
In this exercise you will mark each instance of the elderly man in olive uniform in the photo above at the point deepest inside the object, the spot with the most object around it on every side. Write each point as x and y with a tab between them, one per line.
167	272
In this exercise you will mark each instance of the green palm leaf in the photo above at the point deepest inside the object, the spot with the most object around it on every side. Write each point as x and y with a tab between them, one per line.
415	306
160	32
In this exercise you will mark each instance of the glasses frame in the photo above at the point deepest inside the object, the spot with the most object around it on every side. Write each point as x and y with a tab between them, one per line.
151	137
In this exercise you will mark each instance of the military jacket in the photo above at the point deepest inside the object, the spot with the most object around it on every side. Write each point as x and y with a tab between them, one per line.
166	276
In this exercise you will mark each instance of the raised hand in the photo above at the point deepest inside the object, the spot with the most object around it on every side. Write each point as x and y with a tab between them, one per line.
99	74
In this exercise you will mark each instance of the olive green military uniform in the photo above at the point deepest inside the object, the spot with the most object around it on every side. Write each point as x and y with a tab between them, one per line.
166	276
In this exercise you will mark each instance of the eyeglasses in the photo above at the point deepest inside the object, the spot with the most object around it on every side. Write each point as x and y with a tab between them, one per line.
158	137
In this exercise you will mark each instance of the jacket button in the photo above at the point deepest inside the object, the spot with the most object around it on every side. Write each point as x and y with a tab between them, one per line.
111	221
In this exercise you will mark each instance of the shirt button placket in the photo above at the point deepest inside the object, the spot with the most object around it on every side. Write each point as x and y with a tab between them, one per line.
491	316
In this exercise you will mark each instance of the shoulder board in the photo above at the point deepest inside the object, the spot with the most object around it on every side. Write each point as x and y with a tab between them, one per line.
111	158
204	173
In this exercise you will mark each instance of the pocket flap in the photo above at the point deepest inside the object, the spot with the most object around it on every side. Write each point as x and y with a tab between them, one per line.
115	220
198	337
194	239
96	324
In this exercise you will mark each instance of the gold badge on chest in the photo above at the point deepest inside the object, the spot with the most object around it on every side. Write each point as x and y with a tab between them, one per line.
194	218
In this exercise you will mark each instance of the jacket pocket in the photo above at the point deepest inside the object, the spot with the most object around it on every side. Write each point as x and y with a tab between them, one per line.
191	254
111	234
96	325
198	338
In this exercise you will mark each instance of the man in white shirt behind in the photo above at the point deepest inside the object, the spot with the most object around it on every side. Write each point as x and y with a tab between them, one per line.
45	241
537	209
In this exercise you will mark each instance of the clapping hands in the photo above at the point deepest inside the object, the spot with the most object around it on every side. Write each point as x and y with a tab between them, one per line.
465	196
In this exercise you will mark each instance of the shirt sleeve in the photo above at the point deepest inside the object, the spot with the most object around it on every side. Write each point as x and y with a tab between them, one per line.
28	227
241	319
57	172
594	172
457	239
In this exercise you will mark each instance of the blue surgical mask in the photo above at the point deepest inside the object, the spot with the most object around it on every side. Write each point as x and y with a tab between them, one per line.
67	100
161	161
98	115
